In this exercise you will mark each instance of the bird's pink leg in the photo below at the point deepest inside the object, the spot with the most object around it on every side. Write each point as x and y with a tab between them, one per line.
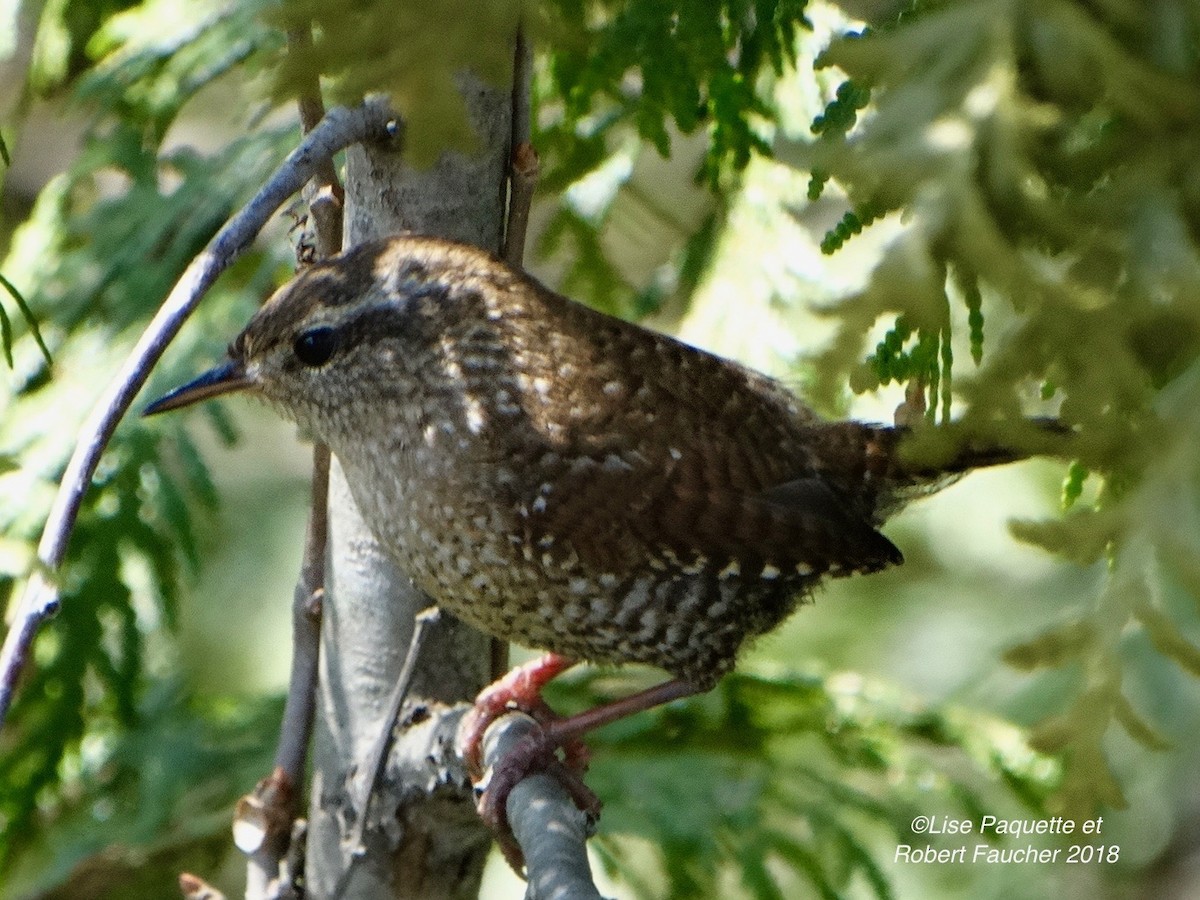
519	689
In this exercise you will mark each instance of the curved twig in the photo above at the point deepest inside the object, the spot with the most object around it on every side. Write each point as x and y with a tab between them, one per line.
266	873
377	755
339	129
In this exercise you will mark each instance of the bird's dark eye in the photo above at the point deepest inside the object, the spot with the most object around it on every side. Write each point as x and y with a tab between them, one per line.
314	346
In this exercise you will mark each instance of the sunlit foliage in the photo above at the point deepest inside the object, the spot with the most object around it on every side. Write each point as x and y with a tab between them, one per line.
1041	160
1042	155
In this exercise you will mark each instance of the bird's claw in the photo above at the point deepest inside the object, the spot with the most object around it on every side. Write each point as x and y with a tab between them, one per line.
520	690
531	754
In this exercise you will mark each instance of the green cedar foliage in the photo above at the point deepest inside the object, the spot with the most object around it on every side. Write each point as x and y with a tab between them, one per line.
1039	154
784	784
1042	155
154	808
96	254
6	330
652	70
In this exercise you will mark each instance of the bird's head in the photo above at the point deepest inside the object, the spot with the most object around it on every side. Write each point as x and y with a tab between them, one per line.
349	332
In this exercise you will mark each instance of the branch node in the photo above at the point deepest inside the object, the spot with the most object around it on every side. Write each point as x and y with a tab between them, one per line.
195	888
265	814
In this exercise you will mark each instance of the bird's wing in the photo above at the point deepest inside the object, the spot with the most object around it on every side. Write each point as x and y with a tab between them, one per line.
621	511
667	455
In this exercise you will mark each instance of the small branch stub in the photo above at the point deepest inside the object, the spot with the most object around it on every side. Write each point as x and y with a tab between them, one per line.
264	814
194	888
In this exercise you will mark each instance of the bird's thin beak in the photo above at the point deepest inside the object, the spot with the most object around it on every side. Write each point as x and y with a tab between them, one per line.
227	377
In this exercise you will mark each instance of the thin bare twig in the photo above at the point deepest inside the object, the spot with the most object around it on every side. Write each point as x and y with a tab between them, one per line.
263	824
296	726
339	129
520	198
373	765
522	90
524	167
275	799
324	192
312	111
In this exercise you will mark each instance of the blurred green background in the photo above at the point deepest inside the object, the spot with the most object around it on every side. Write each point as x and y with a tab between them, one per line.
1008	181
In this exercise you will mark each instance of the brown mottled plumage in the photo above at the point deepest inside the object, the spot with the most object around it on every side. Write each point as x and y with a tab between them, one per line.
566	480
558	477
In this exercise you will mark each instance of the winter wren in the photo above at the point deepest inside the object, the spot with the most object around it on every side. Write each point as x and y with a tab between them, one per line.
560	478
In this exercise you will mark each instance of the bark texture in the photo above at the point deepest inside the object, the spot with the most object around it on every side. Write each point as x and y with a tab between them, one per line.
423	838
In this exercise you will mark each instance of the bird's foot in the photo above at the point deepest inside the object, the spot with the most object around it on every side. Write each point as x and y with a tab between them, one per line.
533	753
520	689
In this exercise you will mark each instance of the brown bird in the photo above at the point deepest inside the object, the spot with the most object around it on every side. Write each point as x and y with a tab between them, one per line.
563	479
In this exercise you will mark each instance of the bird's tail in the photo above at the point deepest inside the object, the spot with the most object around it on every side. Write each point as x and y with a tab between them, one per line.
933	453
884	467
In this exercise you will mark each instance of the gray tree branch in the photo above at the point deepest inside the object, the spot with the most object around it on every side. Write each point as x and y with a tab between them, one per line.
552	832
422	837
